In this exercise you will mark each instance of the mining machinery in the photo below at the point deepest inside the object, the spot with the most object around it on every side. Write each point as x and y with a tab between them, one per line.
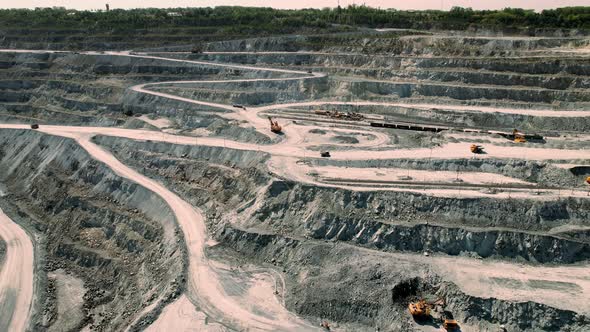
518	136
476	149
421	310
274	126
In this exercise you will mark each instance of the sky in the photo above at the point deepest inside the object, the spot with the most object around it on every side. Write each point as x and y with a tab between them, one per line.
398	4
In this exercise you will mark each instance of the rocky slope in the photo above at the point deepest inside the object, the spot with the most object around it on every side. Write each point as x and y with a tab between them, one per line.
117	237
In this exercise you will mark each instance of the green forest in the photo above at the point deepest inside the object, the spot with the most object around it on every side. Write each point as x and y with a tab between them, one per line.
242	20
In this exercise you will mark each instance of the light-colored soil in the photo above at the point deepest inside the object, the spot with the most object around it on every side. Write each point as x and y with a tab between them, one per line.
16	276
564	287
301	172
158	123
182	316
70	293
417	175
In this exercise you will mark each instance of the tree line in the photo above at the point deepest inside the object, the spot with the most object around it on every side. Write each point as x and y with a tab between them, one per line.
268	20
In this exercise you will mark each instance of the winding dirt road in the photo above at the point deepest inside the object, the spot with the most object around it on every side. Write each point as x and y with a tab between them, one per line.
16	276
203	281
446	151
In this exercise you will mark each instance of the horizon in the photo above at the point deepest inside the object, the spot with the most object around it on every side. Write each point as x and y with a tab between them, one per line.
536	5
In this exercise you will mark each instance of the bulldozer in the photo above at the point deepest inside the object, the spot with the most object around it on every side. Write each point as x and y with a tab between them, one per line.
518	136
274	126
476	148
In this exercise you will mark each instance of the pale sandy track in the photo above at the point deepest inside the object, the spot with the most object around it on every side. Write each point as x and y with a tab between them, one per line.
426	106
16	276
447	151
290	168
285	156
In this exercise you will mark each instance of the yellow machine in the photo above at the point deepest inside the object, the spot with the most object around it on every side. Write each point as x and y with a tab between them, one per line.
274	126
588	180
518	136
476	148
420	309
449	323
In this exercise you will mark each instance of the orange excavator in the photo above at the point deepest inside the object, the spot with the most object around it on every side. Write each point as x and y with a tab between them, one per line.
274	126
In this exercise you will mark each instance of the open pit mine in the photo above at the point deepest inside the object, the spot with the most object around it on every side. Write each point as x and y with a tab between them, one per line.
247	185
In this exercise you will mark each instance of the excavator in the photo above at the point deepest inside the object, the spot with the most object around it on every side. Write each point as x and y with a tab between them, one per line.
518	136
476	148
274	126
421	311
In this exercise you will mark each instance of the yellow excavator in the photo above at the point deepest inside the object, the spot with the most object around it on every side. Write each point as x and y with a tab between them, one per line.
518	136
421	310
274	126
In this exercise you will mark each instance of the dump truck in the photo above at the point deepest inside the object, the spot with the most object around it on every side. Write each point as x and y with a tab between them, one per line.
274	126
449	323
476	148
